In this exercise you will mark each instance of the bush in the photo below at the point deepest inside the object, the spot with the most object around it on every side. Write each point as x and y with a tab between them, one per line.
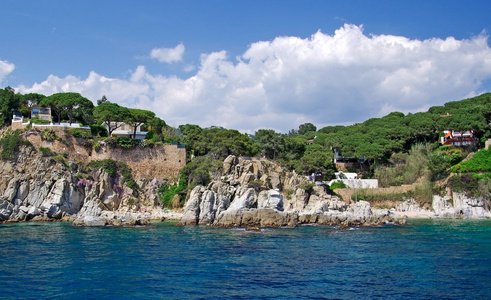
80	133
125	142
98	130
39	121
167	193
149	135
45	151
480	162
10	144
337	185
255	184
308	187
113	168
48	135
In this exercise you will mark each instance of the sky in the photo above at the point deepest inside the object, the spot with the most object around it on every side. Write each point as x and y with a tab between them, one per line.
250	65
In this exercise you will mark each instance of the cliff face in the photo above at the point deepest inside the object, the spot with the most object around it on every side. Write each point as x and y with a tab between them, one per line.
33	187
253	192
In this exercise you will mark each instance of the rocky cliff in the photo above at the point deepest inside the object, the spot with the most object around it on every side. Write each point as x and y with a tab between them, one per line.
253	192
34	187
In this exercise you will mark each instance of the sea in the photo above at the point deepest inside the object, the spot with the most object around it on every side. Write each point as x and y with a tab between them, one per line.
425	259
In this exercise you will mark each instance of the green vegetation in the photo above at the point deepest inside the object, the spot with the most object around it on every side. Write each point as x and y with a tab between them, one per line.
116	170
337	185
10	143
480	162
397	148
45	151
168	192
48	135
473	185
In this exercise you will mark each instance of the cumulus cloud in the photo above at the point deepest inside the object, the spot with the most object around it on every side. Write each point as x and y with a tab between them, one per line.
324	79
168	55
5	69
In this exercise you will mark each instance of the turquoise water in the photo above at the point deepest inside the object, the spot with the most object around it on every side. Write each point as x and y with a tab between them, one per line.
440	259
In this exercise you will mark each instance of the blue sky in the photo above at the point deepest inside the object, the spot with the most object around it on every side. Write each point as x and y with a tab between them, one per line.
251	64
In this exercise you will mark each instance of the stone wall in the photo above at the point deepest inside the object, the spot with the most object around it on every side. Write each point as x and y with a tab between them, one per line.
347	193
159	161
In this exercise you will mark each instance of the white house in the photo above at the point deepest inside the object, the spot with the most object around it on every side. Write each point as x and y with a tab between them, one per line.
127	130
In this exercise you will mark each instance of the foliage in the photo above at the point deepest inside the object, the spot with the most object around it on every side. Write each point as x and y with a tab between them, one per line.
166	193
111	114
126	142
215	142
441	159
46	151
307	187
48	135
255	184
9	102
316	161
479	162
337	185
80	133
306	128
98	130
36	120
113	169
72	104
199	170
137	117
268	142
10	143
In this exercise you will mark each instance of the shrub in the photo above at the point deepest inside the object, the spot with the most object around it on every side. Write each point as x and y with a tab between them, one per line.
337	185
45	151
308	187
125	142
480	162
98	130
48	135
167	193
10	144
80	133
149	135
255	184
39	121
113	168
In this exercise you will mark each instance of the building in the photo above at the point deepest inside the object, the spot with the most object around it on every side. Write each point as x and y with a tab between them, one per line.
42	113
457	138
127	130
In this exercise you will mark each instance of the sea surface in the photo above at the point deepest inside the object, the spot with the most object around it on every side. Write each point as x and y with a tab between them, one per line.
426	259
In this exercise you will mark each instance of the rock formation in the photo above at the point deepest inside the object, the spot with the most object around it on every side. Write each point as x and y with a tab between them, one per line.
44	188
254	192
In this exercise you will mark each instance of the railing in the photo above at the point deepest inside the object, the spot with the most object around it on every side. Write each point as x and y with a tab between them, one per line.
65	125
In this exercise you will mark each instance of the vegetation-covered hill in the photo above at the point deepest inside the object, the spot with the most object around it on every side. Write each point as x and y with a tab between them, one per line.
396	148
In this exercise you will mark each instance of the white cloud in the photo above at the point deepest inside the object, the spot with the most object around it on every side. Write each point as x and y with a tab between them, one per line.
168	55
325	79
5	69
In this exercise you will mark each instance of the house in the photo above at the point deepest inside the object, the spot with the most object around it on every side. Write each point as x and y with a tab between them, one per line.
43	113
339	158
457	138
127	130
345	175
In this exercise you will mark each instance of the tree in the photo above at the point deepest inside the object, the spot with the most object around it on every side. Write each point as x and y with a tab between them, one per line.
102	100
112	115
268	141
68	103
30	100
305	128
316	161
9	102
138	117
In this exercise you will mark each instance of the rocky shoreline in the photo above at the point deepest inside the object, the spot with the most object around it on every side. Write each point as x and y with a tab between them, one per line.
247	193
